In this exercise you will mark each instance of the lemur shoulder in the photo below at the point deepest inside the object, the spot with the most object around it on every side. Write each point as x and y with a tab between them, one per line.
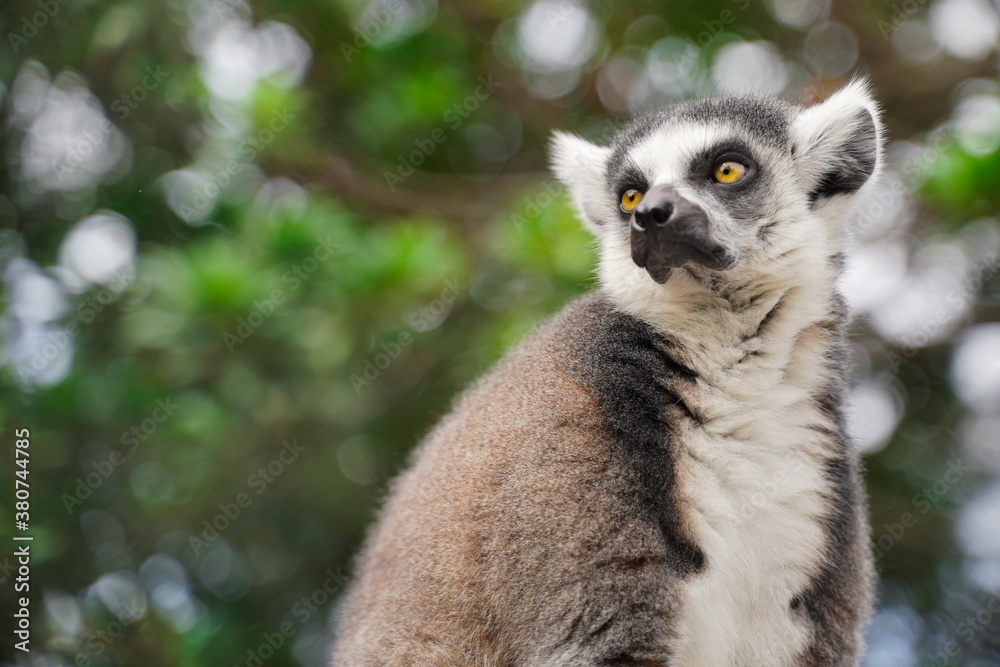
661	474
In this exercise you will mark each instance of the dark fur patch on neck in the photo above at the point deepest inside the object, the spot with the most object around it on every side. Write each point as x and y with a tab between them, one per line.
637	383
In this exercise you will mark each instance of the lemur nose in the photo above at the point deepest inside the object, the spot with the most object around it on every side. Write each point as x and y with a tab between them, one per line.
657	207
659	213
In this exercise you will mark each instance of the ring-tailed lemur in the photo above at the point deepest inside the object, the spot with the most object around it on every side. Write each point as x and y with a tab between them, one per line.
660	475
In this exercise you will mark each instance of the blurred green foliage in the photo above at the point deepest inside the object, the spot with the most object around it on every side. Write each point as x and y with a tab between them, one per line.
285	289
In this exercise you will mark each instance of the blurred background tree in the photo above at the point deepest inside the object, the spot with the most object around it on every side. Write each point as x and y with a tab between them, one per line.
251	253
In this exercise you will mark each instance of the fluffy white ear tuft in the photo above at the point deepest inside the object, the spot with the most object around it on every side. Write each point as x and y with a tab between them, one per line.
580	166
838	143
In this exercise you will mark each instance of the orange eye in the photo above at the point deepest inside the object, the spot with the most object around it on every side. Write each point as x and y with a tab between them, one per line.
729	172
630	200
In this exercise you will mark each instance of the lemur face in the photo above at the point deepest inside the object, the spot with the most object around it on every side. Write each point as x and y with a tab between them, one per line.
724	184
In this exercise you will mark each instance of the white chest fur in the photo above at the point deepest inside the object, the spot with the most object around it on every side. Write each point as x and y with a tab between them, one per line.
751	483
755	501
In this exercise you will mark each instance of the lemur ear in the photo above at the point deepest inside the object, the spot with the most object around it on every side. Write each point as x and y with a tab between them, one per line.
580	166
837	144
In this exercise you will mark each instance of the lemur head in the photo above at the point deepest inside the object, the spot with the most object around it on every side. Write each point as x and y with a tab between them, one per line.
723	190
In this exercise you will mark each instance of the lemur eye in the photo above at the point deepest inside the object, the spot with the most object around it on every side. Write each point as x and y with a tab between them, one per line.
630	200
729	172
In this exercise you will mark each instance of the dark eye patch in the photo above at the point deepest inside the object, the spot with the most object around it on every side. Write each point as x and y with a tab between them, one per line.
626	176
743	199
703	164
